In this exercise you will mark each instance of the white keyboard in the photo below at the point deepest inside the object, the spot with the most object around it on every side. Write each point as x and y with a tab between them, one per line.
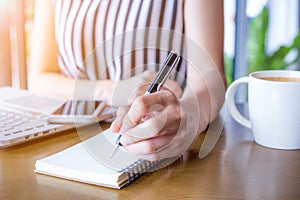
14	122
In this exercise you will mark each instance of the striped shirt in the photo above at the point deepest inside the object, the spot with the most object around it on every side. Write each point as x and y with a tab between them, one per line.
117	39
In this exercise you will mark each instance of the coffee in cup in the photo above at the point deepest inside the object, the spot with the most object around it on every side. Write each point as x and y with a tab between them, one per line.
281	79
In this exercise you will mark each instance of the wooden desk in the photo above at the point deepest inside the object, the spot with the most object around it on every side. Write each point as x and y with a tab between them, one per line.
236	168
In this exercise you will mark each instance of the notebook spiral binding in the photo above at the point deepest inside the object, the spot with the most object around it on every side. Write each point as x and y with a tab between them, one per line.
140	167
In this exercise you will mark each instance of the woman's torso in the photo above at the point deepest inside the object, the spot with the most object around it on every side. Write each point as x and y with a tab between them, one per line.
116	39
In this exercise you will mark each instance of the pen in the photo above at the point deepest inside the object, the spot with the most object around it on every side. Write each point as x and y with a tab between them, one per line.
163	74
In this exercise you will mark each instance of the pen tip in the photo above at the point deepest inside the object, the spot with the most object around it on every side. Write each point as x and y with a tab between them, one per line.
113	152
118	144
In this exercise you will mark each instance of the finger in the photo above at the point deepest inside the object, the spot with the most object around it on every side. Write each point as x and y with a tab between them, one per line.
141	107
142	90
148	129
173	146
138	92
149	146
174	87
142	132
179	144
117	123
165	122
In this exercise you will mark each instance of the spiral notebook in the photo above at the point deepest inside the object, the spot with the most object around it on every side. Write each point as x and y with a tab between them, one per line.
89	162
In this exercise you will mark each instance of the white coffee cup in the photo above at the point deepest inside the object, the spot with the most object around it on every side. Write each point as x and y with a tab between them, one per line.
274	107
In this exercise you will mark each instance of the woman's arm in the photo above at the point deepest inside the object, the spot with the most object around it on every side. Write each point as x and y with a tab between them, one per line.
46	76
45	73
205	36
204	24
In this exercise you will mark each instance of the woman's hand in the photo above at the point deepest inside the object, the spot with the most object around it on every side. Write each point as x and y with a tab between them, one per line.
126	90
155	126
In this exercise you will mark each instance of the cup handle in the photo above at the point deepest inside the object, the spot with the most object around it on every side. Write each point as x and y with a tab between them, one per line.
230	94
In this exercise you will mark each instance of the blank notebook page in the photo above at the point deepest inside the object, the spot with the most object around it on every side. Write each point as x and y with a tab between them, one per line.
89	162
80	162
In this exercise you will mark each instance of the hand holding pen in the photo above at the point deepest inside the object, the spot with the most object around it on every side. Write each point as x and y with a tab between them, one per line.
170	63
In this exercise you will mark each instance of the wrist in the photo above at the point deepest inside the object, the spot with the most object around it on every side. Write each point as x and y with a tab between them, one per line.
197	118
104	90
